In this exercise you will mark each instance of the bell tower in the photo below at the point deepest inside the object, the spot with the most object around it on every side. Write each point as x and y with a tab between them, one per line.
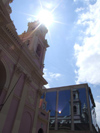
35	41
76	103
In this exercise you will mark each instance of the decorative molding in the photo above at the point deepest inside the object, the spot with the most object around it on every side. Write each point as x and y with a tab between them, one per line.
18	69
31	96
29	107
42	119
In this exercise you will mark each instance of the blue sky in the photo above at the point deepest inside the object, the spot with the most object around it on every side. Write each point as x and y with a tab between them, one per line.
74	53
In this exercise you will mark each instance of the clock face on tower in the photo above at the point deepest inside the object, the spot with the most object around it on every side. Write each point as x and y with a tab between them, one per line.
43	106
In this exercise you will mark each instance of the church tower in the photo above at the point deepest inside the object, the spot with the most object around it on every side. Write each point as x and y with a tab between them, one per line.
76	106
35	41
76	103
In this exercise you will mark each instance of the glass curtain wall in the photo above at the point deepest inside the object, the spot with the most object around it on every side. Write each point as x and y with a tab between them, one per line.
80	110
64	113
93	115
51	105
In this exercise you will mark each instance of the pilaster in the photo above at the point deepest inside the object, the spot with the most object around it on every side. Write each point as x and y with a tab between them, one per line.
17	120
8	99
56	115
72	113
88	107
36	112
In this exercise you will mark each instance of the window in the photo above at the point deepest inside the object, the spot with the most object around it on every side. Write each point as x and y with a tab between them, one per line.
38	50
74	96
75	109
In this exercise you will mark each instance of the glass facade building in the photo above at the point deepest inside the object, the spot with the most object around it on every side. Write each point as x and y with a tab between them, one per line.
72	108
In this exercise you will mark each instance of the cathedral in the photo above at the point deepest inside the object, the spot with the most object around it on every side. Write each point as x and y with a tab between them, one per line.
25	105
21	80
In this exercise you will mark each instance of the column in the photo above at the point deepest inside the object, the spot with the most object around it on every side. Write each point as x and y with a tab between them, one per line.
48	121
36	112
72	114
6	106
17	120
88	107
56	115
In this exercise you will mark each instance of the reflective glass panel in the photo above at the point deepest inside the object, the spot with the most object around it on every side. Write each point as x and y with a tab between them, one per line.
80	110
51	105
64	115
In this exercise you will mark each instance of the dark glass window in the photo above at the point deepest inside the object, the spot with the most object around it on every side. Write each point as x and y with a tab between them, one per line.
75	109
74	96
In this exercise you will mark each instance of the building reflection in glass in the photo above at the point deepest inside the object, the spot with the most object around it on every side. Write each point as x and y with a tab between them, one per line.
72	108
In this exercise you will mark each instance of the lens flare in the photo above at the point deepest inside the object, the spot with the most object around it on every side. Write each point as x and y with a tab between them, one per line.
45	17
59	112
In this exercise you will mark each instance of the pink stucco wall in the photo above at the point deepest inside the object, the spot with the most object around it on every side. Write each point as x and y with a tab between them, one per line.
26	120
19	86
11	116
41	123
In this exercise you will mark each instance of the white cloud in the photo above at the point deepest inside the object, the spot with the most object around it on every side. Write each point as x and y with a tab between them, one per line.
54	75
29	19
79	9
47	86
88	54
86	1
50	77
98	112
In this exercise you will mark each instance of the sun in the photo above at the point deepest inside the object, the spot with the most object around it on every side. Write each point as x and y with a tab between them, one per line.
45	17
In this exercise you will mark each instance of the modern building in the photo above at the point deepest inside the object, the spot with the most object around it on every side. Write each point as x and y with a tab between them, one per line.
72	109
21	76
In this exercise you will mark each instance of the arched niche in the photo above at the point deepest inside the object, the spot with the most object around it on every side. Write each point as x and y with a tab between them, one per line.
7	71
26	123
38	50
2	76
40	130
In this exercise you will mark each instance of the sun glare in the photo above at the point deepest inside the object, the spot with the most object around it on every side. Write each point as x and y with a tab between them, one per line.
45	17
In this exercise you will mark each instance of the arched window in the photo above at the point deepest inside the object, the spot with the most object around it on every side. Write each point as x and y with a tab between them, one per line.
40	130
2	76
38	50
75	109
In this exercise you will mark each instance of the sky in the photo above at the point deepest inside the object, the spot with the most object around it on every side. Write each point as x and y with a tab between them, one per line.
74	53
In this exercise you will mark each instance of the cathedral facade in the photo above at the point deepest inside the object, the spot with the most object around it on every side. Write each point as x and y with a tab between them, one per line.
21	80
